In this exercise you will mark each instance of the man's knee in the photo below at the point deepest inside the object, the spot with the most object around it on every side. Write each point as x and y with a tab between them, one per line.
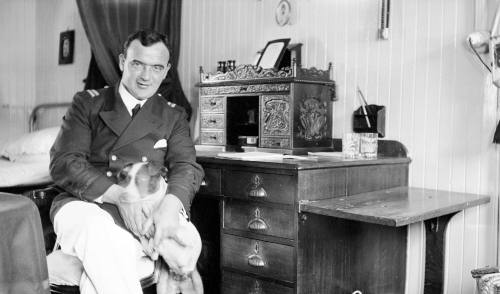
81	216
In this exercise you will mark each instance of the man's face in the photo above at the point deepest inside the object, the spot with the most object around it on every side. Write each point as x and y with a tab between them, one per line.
144	68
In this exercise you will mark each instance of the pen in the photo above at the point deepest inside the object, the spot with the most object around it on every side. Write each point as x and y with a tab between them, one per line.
364	108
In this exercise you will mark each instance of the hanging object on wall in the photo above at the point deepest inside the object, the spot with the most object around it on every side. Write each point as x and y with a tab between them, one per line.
66	47
385	13
488	42
285	12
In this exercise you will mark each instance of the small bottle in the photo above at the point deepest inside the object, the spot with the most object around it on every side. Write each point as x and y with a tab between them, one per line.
219	66
230	65
223	66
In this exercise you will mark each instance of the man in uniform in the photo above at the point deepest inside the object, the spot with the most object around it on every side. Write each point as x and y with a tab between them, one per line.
102	131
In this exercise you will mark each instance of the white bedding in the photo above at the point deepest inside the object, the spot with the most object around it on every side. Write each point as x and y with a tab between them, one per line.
25	171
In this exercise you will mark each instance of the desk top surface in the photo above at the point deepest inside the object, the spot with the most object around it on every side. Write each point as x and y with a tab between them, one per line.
296	162
396	206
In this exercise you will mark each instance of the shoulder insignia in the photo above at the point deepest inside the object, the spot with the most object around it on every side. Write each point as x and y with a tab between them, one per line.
171	104
93	93
159	94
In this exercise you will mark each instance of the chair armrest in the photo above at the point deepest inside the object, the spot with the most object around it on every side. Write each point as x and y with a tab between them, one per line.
479	272
43	197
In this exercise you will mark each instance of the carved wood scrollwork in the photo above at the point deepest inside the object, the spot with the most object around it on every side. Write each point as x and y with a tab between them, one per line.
220	90
246	72
313	118
276	115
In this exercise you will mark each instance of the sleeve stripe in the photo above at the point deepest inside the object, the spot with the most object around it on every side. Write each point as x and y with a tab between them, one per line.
93	93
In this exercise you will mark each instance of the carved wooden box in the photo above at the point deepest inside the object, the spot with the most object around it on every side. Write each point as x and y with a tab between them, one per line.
287	111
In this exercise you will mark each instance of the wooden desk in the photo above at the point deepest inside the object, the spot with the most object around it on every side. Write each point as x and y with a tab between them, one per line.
382	217
324	226
259	243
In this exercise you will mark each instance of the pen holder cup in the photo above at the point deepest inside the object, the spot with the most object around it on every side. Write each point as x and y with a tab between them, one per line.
376	116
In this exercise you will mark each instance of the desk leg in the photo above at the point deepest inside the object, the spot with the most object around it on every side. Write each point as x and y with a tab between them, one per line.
435	229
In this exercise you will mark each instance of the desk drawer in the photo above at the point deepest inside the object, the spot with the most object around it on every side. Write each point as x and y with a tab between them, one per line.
258	218
212	137
212	121
212	104
262	258
211	184
233	283
266	187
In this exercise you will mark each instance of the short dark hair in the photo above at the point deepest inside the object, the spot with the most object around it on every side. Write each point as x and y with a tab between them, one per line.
147	37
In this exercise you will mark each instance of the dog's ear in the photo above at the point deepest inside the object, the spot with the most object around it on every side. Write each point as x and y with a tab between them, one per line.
155	169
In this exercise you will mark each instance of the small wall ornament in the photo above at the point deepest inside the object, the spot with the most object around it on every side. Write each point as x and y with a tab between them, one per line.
66	47
284	12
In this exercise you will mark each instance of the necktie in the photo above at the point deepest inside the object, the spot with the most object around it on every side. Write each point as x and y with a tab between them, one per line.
135	109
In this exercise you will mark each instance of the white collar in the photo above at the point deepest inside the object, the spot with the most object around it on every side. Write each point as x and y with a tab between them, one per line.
129	100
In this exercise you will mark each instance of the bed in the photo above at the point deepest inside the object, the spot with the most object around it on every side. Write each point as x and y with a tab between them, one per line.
24	163
24	160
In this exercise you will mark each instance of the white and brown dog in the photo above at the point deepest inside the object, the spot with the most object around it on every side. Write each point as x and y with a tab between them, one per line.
146	183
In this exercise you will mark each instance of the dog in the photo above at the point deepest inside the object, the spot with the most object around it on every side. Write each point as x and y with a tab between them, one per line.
145	182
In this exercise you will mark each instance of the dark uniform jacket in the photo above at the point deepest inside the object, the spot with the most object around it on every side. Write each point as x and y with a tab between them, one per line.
98	137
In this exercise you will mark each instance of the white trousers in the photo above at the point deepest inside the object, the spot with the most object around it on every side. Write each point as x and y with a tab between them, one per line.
109	253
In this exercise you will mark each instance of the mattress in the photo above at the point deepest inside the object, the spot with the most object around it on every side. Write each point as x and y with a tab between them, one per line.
26	171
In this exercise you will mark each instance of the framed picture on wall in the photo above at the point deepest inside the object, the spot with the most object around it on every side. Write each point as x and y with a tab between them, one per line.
66	47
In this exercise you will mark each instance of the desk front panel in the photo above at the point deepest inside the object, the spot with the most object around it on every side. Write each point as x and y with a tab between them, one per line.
258	257
268	246
234	283
259	218
268	187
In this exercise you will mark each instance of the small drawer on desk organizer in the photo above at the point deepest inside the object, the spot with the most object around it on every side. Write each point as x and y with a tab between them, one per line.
233	283
266	259
259	186
212	121
258	218
269	142
211	183
212	104
212	137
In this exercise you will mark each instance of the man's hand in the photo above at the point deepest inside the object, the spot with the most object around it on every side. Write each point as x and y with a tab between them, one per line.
134	214
165	219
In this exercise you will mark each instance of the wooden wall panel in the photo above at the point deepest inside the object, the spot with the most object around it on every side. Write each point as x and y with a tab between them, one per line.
17	59
58	83
29	56
439	101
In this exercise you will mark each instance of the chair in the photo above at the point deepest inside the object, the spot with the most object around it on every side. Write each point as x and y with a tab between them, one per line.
487	280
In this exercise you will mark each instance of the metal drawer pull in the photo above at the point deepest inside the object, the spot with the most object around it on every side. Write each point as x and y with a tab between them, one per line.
255	259
257	223
213	102
257	288
212	121
256	189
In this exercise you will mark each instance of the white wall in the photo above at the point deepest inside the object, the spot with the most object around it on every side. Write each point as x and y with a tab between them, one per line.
17	63
30	73
58	83
439	101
